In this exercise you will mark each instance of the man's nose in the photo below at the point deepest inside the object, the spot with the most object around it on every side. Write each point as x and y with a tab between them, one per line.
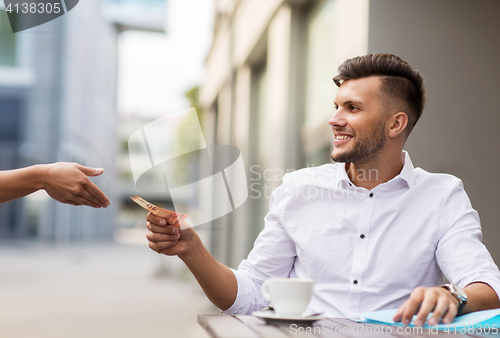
338	119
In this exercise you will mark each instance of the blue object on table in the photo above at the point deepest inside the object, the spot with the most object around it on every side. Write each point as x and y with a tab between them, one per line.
478	320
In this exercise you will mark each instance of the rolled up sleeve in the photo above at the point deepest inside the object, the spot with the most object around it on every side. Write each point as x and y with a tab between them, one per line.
461	255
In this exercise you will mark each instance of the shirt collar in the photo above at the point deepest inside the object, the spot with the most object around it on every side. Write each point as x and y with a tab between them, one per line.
342	178
407	173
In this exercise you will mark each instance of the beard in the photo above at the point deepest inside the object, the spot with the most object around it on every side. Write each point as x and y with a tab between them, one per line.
365	149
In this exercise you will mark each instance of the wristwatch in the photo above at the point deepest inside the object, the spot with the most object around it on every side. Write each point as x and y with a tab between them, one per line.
458	293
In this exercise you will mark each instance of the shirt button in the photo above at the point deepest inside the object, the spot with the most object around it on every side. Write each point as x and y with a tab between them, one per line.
350	184
355	282
362	236
371	194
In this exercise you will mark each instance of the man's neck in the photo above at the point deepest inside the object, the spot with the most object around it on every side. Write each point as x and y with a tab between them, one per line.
380	170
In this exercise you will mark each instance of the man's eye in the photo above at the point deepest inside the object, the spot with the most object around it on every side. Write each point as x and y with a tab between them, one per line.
354	107
336	107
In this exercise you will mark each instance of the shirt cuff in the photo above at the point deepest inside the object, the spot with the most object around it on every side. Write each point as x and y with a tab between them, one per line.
494	284
245	297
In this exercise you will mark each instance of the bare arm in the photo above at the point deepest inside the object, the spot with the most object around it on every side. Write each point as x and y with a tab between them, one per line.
444	305
480	296
217	280
64	182
20	182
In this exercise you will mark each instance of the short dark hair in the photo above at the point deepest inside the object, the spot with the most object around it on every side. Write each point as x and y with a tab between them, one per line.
400	80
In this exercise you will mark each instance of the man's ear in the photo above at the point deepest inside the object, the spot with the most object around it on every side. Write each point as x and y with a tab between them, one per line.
398	123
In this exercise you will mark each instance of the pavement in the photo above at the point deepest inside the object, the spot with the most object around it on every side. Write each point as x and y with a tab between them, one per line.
96	290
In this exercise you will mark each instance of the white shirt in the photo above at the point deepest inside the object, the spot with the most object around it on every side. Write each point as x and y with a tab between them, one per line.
366	250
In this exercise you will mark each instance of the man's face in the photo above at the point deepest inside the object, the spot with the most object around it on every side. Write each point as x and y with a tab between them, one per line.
359	122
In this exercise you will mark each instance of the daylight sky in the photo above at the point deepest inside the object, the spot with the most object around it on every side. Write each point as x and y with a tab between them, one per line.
155	70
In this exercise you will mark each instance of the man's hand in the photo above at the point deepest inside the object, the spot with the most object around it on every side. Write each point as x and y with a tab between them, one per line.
217	280
68	183
435	299
167	238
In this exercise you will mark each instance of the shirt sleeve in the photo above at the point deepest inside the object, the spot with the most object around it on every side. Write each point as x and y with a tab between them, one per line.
461	255
273	255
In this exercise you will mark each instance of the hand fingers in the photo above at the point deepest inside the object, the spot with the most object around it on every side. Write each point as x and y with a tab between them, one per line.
451	314
401	310
90	171
96	194
169	229
73	203
85	194
156	220
412	304
428	304
439	311
399	313
159	246
155	237
84	201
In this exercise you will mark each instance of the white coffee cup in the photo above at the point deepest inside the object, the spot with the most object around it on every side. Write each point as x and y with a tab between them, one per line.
288	296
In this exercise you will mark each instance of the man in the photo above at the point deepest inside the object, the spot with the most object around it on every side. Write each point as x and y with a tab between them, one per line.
372	231
65	182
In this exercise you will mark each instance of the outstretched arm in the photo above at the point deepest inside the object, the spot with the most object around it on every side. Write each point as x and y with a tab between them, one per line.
64	182
217	280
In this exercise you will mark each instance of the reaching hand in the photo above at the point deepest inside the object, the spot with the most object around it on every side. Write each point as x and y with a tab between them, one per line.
68	183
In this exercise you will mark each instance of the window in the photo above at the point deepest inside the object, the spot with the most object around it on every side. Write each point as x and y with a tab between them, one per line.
320	68
320	89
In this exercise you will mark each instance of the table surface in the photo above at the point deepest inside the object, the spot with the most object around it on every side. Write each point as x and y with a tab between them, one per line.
228	326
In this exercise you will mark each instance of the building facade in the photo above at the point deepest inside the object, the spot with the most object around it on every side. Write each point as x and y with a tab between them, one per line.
269	92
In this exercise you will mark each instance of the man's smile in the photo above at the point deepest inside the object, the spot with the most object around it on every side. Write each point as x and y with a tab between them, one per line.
341	138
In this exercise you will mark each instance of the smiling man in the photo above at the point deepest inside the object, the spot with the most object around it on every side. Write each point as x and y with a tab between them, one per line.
374	232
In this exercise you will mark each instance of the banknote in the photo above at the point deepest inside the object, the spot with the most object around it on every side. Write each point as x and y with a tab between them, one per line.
172	217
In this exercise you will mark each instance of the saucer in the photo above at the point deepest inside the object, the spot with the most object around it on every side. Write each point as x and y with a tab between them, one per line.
273	318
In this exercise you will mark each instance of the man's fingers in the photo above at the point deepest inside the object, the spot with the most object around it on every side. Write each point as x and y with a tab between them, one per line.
169	229
159	246
399	313
156	220
155	237
412	305
439	311
428	304
451	313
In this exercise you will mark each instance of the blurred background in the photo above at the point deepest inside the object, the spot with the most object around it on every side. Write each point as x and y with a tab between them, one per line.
259	74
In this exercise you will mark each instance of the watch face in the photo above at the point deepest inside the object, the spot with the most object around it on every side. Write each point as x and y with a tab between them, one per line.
461	295
457	292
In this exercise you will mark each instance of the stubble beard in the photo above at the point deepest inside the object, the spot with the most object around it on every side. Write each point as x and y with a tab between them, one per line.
364	150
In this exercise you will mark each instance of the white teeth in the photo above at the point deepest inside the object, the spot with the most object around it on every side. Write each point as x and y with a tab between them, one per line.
342	137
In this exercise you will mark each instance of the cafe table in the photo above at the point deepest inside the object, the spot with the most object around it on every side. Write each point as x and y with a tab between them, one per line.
238	326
